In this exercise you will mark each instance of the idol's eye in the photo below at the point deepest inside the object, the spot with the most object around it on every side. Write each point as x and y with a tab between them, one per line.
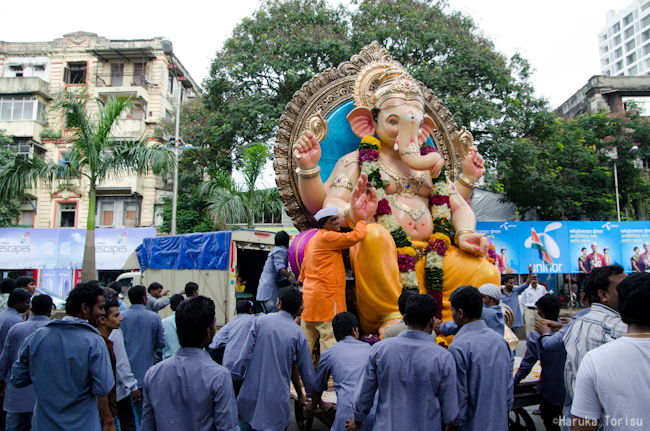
393	122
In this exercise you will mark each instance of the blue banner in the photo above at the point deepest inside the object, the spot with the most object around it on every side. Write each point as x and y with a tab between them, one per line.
593	245
635	246
554	238
505	237
64	248
190	251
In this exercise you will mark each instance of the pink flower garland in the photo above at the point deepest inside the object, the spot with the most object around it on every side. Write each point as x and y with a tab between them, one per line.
368	155
405	262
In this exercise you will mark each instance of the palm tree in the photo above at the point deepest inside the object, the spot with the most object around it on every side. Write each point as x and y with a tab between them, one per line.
230	202
94	156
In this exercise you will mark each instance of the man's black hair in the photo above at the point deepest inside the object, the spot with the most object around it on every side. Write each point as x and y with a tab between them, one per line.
110	303
343	324
291	299
154	286
403	298
550	306
599	280
136	293
18	295
41	304
7	285
23	281
93	283
420	309
175	301
190	288
193	317
243	306
507	278
116	286
468	299
282	238
321	222
109	293
634	298
82	293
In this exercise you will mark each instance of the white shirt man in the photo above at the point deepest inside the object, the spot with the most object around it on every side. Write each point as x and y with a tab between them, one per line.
529	299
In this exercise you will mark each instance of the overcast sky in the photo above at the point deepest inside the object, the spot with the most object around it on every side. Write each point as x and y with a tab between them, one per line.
558	37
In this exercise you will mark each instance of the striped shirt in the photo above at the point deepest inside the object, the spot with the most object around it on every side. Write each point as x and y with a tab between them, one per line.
601	325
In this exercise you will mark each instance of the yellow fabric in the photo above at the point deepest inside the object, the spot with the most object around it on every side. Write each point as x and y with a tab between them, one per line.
374	261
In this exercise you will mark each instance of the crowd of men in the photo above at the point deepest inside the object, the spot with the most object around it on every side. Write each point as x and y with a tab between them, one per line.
108	366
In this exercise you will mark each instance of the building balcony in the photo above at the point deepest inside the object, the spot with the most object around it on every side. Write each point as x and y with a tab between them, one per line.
122	85
131	128
23	129
22	85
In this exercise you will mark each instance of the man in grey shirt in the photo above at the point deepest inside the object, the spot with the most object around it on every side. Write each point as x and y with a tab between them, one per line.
154	293
275	273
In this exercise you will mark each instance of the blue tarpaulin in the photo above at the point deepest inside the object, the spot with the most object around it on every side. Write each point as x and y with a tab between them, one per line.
191	251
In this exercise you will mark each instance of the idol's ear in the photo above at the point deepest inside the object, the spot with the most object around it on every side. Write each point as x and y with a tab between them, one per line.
362	122
428	126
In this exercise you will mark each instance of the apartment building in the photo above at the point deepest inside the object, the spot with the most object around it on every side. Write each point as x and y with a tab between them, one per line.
624	43
31	73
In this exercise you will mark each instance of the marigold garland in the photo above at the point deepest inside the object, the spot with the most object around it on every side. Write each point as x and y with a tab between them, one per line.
440	208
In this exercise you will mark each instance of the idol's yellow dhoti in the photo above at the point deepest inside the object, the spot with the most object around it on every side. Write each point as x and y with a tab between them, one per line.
374	261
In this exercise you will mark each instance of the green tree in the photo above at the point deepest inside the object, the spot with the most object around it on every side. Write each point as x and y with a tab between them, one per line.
231	202
93	155
270	55
564	168
265	60
9	208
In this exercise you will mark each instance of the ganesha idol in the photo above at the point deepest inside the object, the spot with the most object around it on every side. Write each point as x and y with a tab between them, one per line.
390	151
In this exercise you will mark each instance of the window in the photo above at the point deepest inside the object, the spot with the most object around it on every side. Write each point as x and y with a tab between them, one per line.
75	73
631	58
139	74
642	103
646	49
67	214
17	71
170	83
606	61
107	213
604	49
628	19
629	32
603	37
130	214
616	27
17	108
21	148
619	65
645	21
117	75
645	35
617	40
168	116
630	45
618	53
633	71
26	218
607	72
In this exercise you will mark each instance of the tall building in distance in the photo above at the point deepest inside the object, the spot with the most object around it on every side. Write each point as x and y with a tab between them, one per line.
32	73
624	44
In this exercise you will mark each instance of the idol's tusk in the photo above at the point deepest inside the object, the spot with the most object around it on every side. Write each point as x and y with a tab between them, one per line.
296	153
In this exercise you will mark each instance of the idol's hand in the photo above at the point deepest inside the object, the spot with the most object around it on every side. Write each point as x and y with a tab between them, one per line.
363	201
307	151
473	165
476	243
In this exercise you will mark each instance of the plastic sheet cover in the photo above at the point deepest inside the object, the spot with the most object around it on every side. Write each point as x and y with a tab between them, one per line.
191	251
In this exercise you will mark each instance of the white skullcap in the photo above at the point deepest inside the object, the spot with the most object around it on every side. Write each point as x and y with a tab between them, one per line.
491	290
594	244
326	212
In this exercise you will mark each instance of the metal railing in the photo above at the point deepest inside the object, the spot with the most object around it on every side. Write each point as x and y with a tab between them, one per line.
122	80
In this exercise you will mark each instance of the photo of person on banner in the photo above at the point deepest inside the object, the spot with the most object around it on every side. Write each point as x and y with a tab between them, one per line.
644	259
595	259
634	260
582	260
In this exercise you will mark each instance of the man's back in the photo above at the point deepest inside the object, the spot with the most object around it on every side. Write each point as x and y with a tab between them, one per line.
612	385
601	325
237	336
189	391
143	333
484	364
272	345
171	336
8	318
18	400
67	362
344	361
277	259
416	380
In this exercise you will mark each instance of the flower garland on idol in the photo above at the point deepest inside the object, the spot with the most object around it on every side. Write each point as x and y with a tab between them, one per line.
439	241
